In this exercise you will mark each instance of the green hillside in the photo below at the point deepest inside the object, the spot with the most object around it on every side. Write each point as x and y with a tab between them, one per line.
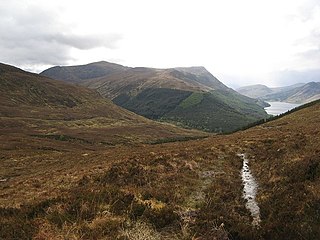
153	103
216	111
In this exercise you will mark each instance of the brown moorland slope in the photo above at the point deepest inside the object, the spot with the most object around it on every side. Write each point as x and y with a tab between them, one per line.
35	109
112	80
180	190
168	191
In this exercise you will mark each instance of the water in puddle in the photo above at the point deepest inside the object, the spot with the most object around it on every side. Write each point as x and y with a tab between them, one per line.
250	191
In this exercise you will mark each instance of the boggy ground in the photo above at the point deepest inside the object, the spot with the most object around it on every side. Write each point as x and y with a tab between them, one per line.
180	190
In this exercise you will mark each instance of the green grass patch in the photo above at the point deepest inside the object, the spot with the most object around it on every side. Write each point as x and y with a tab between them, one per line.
61	137
218	111
194	99
152	103
176	139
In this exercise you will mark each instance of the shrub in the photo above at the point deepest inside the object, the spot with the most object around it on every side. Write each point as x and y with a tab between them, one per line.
161	217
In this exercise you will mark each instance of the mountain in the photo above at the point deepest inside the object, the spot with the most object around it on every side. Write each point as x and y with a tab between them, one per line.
94	75
78	74
287	88
179	190
173	95
302	94
255	91
217	111
136	80
201	75
50	113
297	93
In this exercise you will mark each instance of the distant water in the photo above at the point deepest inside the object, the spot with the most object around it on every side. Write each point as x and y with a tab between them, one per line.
277	108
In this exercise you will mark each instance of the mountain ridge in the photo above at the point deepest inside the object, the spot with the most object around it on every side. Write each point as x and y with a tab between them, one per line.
184	78
58	108
80	73
297	93
158	93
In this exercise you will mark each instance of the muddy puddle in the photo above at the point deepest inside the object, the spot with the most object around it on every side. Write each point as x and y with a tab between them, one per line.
250	188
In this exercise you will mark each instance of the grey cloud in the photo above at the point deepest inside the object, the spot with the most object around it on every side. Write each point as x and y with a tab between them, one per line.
36	53
32	35
84	42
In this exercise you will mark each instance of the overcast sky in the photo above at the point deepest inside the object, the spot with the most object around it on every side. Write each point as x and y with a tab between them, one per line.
273	42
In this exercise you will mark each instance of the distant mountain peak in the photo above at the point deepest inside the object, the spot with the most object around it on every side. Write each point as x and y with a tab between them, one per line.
103	62
204	77
297	93
95	74
192	69
80	73
313	84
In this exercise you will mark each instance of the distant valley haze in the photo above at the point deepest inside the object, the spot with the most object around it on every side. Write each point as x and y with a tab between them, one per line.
275	43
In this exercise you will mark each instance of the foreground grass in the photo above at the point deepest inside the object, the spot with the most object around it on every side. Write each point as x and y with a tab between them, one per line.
179	190
163	189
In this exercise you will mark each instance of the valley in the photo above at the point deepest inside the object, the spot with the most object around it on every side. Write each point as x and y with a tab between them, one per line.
168	95
75	166
136	120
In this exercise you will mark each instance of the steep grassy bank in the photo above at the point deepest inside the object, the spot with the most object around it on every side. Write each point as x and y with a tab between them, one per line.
217	111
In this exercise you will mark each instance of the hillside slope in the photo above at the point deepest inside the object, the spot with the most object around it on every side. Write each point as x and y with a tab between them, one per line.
285	160
180	190
135	80
255	91
158	93
46	109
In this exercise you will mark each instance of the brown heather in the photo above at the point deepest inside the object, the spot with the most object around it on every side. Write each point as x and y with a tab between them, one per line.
65	175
